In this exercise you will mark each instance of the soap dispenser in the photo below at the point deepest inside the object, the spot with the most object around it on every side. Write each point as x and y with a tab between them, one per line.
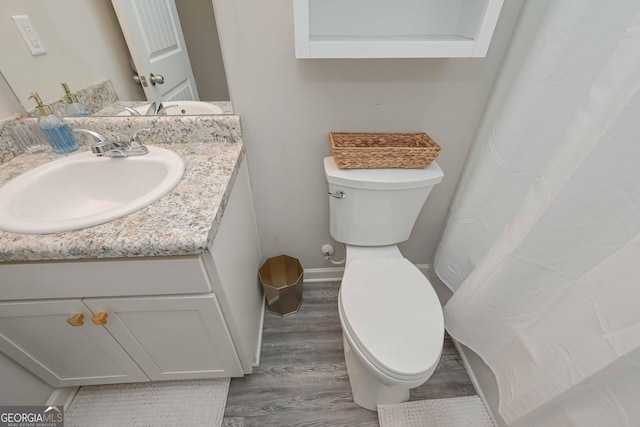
72	107
58	133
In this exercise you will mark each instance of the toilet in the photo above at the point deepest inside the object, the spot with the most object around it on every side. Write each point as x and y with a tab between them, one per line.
391	318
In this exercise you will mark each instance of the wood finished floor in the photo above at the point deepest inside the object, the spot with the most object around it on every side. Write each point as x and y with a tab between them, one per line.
302	378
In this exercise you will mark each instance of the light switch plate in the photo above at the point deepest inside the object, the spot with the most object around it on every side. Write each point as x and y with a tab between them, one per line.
29	34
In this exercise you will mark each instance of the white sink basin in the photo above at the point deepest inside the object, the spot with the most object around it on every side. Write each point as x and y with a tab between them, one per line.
83	190
180	108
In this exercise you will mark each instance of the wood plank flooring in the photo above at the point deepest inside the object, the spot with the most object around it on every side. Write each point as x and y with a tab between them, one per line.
302	379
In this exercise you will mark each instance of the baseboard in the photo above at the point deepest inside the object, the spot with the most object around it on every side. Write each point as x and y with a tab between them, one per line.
62	396
334	274
325	274
423	267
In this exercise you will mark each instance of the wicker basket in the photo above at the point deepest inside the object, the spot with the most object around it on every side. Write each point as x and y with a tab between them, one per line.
368	150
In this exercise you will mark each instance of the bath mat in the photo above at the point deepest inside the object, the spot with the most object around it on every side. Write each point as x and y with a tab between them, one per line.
166	403
455	412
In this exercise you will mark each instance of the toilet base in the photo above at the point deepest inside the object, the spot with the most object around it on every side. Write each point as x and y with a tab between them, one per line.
368	391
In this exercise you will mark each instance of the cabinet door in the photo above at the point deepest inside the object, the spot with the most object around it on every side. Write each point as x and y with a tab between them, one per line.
38	336
172	337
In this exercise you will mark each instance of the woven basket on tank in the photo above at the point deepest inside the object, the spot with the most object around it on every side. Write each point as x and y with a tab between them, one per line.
372	150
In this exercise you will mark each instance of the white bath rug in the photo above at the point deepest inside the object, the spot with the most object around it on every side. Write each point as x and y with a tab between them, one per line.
455	412
167	403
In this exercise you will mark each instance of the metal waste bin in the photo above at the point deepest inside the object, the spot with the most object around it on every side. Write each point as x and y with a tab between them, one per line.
281	279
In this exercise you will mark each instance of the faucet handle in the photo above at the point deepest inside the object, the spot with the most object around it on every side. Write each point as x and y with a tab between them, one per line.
162	109
133	141
102	145
137	148
151	110
100	137
133	111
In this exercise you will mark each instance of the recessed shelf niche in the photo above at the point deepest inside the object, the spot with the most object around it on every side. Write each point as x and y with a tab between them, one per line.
394	28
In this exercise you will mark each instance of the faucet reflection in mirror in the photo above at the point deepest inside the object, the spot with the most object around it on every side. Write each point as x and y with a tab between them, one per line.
179	108
101	100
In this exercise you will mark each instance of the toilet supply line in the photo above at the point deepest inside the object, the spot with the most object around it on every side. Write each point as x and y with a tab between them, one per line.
327	251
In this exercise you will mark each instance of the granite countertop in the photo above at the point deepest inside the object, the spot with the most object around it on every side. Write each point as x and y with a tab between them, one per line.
184	222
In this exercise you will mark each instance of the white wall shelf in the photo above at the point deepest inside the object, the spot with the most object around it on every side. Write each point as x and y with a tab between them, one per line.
394	29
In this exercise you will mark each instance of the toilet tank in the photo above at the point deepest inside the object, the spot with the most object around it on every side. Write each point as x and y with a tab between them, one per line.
375	207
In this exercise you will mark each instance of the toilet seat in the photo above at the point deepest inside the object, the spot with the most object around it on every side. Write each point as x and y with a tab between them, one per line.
393	315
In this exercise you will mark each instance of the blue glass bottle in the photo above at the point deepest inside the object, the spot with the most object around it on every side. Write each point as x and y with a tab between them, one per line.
57	132
73	107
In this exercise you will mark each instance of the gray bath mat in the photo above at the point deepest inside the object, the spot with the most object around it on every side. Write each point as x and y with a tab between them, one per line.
456	412
167	403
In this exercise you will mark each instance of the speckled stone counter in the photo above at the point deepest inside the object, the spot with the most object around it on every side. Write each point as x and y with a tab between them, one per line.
184	222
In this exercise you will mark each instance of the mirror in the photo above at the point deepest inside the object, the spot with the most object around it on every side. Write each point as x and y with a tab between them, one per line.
85	45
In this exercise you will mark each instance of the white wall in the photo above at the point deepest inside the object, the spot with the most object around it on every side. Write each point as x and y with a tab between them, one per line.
288	106
84	45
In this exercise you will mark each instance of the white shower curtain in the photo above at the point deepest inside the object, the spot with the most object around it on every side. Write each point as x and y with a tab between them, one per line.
542	245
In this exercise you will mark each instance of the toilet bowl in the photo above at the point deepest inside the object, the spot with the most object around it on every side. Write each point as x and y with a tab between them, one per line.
391	318
392	325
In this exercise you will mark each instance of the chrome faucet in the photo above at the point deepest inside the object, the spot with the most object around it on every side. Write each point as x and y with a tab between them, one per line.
133	111
105	148
154	109
160	111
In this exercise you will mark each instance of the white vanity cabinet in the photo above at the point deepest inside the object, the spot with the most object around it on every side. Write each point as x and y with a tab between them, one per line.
394	29
170	338
36	335
140	319
148	338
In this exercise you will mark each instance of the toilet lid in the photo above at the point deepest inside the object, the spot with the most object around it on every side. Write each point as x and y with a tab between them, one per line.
393	315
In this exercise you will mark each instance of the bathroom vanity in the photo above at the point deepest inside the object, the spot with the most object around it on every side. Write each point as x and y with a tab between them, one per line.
167	292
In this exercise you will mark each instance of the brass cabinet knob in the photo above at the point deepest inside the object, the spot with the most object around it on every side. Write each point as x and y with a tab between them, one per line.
100	318
76	320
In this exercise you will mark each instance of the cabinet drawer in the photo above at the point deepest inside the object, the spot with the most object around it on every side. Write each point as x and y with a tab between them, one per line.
120	277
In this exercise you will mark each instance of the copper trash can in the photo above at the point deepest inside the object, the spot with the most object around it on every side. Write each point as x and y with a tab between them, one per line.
281	279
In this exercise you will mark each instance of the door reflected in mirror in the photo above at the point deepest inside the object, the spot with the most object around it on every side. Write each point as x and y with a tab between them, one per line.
84	44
